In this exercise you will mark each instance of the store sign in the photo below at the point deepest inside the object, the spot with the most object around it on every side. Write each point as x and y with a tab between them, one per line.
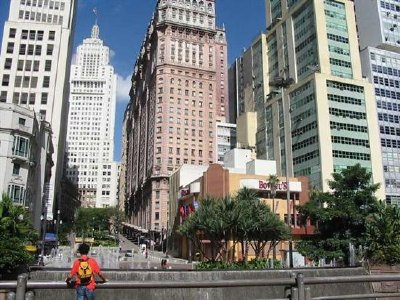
256	184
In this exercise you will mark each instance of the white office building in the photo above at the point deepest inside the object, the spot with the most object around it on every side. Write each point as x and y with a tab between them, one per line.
34	71
91	119
379	34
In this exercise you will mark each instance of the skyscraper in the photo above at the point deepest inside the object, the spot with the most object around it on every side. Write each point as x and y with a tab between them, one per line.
35	58
179	92
327	117
379	34
91	120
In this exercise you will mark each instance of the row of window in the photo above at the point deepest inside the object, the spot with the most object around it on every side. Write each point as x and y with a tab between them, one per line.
30	50
305	129
344	99
351	155
349	141
386	70
348	127
387	81
390	143
389	118
387	93
337	38
340	63
57	5
40	17
347	113
305	157
307	142
390	130
388	105
345	87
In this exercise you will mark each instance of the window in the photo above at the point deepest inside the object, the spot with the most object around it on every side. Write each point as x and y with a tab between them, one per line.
21	121
22	49
30	49
8	63
157	215
10	48
6	80
32	35
28	65
21	146
47	66
24	98
44	98
32	98
36	65
52	35
3	96
38	50
40	35
16	168
17	194
50	49
20	65
46	81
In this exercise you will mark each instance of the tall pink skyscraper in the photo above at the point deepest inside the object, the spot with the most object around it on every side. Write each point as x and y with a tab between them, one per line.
179	92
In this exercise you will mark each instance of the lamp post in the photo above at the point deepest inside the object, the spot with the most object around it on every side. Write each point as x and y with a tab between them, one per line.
283	83
44	225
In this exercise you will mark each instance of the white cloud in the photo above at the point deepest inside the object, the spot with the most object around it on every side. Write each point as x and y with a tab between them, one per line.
123	87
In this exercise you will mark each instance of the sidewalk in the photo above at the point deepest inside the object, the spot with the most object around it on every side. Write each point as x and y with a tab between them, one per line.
152	255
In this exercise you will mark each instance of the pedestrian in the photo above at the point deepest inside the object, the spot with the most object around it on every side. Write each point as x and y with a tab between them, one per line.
163	264
84	270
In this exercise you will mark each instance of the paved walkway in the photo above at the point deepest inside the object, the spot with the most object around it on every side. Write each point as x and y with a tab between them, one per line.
153	256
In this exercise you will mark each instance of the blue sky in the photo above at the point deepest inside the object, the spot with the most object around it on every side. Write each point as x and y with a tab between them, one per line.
123	24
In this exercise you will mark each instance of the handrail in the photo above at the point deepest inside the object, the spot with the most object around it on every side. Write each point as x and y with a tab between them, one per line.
300	285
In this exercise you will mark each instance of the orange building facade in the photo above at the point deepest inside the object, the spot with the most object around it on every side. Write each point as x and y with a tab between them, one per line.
220	182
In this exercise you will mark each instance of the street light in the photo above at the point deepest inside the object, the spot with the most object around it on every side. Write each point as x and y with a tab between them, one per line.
283	83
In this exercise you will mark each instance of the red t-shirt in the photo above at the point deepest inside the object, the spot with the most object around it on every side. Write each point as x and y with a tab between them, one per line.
95	269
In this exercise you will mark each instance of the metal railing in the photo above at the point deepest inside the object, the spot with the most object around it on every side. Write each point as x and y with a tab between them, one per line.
299	286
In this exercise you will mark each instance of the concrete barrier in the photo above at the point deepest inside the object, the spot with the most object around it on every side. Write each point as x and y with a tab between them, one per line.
234	293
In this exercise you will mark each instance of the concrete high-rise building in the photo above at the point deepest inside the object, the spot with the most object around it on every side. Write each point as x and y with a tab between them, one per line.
91	120
179	92
226	139
379	36
35	58
328	114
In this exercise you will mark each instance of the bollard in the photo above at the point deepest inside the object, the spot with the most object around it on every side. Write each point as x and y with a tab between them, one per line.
29	295
300	286
10	296
21	286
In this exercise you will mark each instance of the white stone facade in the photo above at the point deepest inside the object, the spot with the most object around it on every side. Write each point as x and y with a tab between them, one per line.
35	56
91	120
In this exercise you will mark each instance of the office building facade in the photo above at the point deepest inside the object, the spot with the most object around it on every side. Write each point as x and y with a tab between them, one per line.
179	92
328	114
379	34
35	58
91	120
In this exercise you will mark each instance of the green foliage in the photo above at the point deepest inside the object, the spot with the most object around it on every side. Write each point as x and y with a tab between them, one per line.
94	221
257	264
242	218
15	231
382	238
340	216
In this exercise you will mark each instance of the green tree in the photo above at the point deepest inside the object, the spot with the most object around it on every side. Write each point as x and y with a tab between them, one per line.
241	219
339	216
382	237
16	232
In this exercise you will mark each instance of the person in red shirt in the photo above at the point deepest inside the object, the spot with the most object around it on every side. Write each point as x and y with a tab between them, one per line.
85	290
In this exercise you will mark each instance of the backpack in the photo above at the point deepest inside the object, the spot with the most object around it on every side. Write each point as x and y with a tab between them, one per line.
85	272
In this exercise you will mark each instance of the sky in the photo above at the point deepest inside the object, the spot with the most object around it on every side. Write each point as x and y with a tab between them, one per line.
123	25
